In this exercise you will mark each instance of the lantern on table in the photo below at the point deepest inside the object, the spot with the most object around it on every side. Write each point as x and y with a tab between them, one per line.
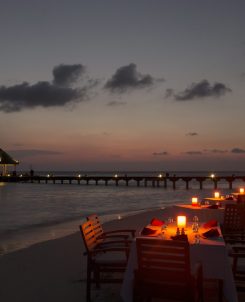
241	190
194	201
216	195
181	224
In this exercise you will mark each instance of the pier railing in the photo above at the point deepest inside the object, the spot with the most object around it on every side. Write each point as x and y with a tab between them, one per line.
154	181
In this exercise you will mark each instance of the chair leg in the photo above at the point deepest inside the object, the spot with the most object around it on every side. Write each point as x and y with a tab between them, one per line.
88	289
220	284
97	276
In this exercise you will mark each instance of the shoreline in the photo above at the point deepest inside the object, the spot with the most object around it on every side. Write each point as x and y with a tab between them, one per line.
17	240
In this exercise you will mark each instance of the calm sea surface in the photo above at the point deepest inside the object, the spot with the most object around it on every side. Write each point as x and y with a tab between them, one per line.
31	213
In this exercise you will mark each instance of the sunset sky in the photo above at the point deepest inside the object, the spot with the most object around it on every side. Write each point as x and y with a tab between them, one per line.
123	85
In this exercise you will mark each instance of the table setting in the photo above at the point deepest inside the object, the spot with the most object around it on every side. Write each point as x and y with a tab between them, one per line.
206	246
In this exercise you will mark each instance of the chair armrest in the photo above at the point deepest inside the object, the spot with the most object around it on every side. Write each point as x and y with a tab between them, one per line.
121	231
109	236
110	249
114	243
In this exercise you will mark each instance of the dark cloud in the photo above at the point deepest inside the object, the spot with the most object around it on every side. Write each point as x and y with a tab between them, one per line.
65	75
193	152
218	151
22	96
18	97
237	150
201	90
114	103
127	78
160	153
192	134
33	152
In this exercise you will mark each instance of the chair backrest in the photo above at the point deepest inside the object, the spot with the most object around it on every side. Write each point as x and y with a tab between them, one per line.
88	235
232	218
95	221
165	262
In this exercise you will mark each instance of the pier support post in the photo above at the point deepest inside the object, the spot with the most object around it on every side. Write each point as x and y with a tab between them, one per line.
215	184
200	183
106	182
165	182
230	184
187	184
145	182
138	183
174	184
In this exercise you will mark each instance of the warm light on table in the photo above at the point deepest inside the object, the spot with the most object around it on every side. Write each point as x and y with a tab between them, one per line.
216	195
194	201
181	222
241	190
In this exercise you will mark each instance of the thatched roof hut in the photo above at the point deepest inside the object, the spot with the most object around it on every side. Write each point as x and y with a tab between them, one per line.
6	160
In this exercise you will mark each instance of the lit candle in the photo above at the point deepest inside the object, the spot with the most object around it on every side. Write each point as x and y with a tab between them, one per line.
216	195
241	190
194	201
181	221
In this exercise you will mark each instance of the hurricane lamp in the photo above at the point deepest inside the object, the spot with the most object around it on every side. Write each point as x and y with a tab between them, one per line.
194	201
216	195
181	222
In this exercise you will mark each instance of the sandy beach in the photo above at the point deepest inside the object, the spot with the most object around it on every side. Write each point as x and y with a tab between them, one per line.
55	270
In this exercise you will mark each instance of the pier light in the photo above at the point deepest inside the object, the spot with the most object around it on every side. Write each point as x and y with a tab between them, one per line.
79	175
48	175
194	201
181	222
216	195
160	175
241	190
8	175
212	175
119	217
21	175
116	175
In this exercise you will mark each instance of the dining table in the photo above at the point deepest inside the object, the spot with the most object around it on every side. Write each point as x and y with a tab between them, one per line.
221	201
211	252
202	212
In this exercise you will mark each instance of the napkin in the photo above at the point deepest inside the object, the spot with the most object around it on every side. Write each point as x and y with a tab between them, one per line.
210	224
211	233
213	206
229	198
182	237
157	222
148	231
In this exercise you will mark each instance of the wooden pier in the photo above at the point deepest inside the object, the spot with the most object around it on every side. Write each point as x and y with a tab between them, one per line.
153	181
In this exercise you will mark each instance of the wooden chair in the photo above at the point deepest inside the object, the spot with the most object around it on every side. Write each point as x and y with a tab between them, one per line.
108	258
103	236
238	268
164	272
233	228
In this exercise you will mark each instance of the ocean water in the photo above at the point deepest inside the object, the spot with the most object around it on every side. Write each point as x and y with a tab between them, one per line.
32	212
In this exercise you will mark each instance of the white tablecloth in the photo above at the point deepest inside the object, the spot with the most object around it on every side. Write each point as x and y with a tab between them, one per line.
203	213
212	253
